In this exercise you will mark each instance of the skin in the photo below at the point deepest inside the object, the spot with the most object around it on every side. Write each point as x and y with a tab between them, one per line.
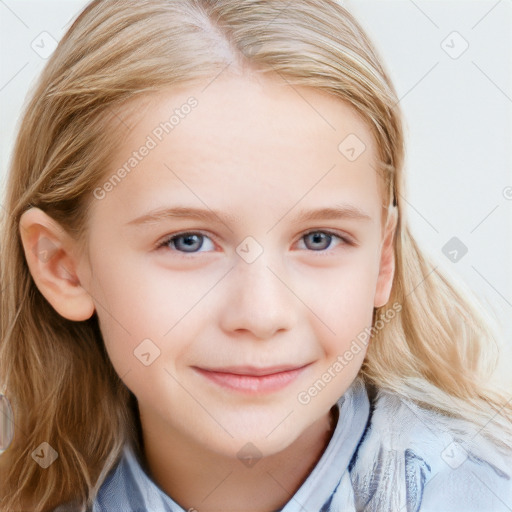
257	152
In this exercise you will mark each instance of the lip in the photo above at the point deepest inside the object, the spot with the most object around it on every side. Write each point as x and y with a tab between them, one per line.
252	380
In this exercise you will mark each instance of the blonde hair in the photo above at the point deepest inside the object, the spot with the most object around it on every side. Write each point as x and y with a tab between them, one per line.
438	351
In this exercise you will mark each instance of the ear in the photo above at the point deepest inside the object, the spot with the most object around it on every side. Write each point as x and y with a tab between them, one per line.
52	259
387	260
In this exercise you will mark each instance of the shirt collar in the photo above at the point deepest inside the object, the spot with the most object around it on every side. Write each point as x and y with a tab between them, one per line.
322	482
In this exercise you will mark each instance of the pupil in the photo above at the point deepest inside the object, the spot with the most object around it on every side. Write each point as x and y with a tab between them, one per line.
318	238
191	242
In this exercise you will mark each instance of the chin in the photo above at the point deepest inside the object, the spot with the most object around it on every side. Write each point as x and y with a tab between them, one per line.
251	445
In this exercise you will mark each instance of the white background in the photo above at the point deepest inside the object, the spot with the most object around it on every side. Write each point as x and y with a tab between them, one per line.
458	114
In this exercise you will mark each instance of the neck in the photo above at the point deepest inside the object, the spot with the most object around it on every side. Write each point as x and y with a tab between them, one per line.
201	480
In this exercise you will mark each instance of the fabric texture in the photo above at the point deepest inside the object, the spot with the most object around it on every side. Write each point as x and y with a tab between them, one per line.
385	455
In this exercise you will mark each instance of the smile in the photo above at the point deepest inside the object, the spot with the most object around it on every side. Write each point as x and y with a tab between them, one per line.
252	380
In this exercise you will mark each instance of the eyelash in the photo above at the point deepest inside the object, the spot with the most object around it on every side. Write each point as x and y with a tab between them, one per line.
164	243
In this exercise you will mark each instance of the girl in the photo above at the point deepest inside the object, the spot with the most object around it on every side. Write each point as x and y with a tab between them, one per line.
211	299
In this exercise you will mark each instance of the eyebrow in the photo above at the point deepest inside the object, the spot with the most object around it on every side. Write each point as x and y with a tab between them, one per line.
345	211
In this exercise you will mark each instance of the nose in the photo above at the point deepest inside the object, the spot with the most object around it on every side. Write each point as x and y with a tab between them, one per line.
258	300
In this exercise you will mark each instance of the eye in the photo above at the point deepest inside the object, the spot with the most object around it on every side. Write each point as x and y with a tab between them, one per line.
321	240
193	241
189	242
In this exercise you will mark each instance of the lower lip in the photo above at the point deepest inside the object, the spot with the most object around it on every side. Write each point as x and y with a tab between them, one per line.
252	384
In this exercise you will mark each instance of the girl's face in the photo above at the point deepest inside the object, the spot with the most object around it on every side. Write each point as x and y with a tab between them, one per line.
243	237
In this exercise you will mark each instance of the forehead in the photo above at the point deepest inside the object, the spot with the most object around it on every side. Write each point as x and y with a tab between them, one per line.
248	136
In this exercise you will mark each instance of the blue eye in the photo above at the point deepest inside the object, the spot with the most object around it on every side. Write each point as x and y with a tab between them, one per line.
185	242
194	242
320	240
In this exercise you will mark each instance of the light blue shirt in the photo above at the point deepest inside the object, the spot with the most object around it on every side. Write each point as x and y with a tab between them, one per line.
386	456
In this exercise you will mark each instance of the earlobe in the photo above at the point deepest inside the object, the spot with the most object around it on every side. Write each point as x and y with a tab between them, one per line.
387	261
53	265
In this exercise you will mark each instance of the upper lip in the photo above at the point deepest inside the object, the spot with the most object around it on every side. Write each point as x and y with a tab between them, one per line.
252	370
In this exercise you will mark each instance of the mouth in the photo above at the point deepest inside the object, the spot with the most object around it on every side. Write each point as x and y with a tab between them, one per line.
249	379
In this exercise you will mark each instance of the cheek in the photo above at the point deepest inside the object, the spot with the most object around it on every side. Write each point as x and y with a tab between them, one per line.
342	300
146	312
